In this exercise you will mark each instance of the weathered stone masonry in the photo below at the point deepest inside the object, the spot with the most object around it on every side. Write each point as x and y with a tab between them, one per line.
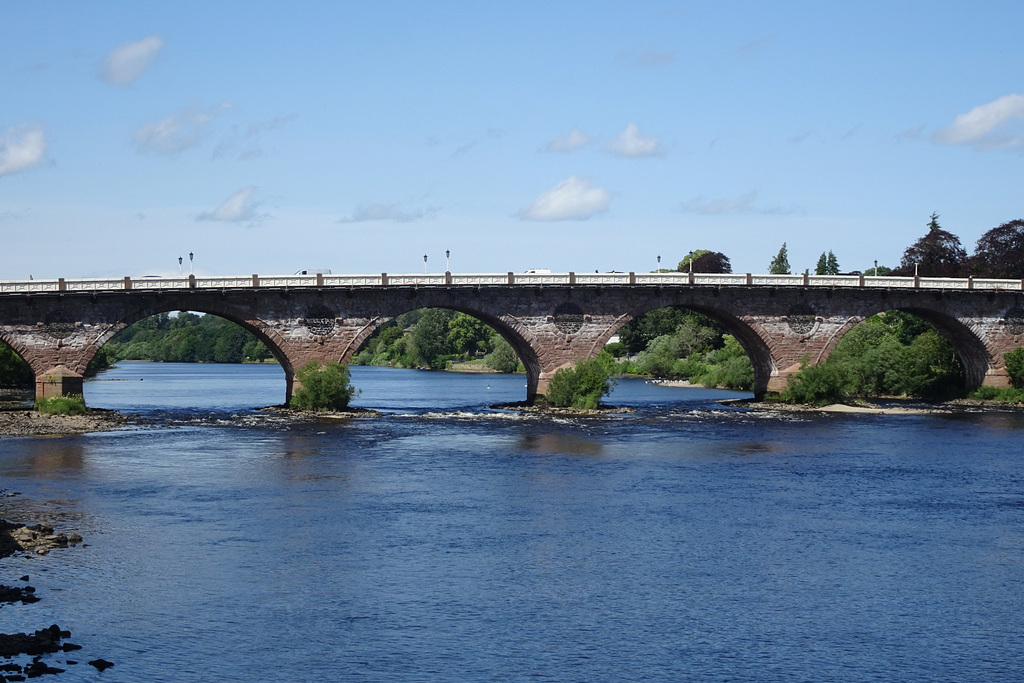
549	326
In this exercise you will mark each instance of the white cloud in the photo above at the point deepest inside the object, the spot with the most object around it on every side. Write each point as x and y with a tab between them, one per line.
238	208
176	132
977	127
128	62
572	199
569	142
376	211
21	147
742	204
630	143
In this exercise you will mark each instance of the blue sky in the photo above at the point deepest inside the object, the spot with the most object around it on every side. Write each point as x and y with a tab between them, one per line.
269	137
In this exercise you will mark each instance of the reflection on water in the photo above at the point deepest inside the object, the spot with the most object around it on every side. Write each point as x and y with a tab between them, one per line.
688	541
53	457
563	444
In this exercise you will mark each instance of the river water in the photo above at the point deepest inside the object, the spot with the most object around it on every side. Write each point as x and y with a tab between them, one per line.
446	541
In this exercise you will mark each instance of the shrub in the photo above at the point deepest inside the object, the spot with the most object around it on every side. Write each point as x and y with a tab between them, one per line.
1007	395
1015	367
617	349
503	358
73	404
734	373
581	386
817	385
324	387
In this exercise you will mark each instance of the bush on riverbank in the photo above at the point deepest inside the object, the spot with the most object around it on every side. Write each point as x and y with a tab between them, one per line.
1005	395
324	387
583	385
1014	362
817	385
62	405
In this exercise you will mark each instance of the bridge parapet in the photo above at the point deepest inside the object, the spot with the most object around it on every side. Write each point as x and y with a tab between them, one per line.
505	279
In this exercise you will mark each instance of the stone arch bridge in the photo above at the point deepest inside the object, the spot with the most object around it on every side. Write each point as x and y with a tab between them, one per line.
551	320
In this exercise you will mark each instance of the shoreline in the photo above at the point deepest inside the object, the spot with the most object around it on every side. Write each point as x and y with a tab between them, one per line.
23	421
26	654
28	422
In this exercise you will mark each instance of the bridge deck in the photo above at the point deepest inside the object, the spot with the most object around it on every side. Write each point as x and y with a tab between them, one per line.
502	279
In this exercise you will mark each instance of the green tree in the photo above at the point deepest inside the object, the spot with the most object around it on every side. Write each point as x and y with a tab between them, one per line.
503	358
14	372
822	267
890	354
684	265
255	351
467	334
583	385
817	385
780	264
324	387
431	347
832	264
1014	361
662	355
728	367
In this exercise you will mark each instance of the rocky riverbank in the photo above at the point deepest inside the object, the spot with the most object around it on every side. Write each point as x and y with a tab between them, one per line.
961	405
27	422
544	409
38	539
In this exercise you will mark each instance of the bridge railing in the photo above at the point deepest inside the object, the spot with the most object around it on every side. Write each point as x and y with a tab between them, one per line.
504	279
28	286
992	283
159	283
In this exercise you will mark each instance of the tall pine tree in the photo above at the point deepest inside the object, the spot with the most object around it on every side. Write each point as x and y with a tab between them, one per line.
780	264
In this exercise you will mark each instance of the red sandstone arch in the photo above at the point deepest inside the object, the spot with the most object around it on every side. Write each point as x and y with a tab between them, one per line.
13	346
754	341
974	356
273	341
510	329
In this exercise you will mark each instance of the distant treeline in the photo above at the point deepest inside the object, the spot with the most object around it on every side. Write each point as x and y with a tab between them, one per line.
184	338
433	338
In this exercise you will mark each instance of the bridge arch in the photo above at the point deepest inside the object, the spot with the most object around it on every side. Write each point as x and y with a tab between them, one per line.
975	357
510	330
8	342
275	344
754	340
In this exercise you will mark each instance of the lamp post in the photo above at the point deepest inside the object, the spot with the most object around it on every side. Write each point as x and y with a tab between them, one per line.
424	264
876	268
447	257
179	266
659	264
190	257
689	258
